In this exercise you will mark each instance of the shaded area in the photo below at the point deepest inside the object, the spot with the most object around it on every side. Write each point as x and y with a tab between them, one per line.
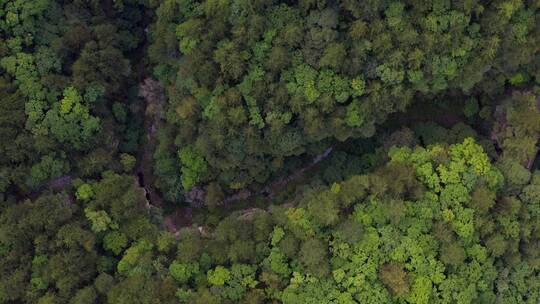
154	95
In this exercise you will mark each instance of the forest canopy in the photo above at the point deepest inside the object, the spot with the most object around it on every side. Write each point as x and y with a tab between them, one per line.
266	151
251	83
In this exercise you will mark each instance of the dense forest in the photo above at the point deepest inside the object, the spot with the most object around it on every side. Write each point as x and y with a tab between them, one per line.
267	151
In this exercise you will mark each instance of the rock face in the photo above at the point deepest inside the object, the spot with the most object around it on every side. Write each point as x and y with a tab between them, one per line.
58	183
195	197
154	95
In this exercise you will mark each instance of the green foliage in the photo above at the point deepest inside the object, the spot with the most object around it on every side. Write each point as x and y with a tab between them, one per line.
471	108
277	235
313	257
84	192
277	262
218	276
128	162
518	131
395	278
193	167
85	296
100	220
268	105
183	272
290	58
115	241
48	167
134	260
354	118
70	121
